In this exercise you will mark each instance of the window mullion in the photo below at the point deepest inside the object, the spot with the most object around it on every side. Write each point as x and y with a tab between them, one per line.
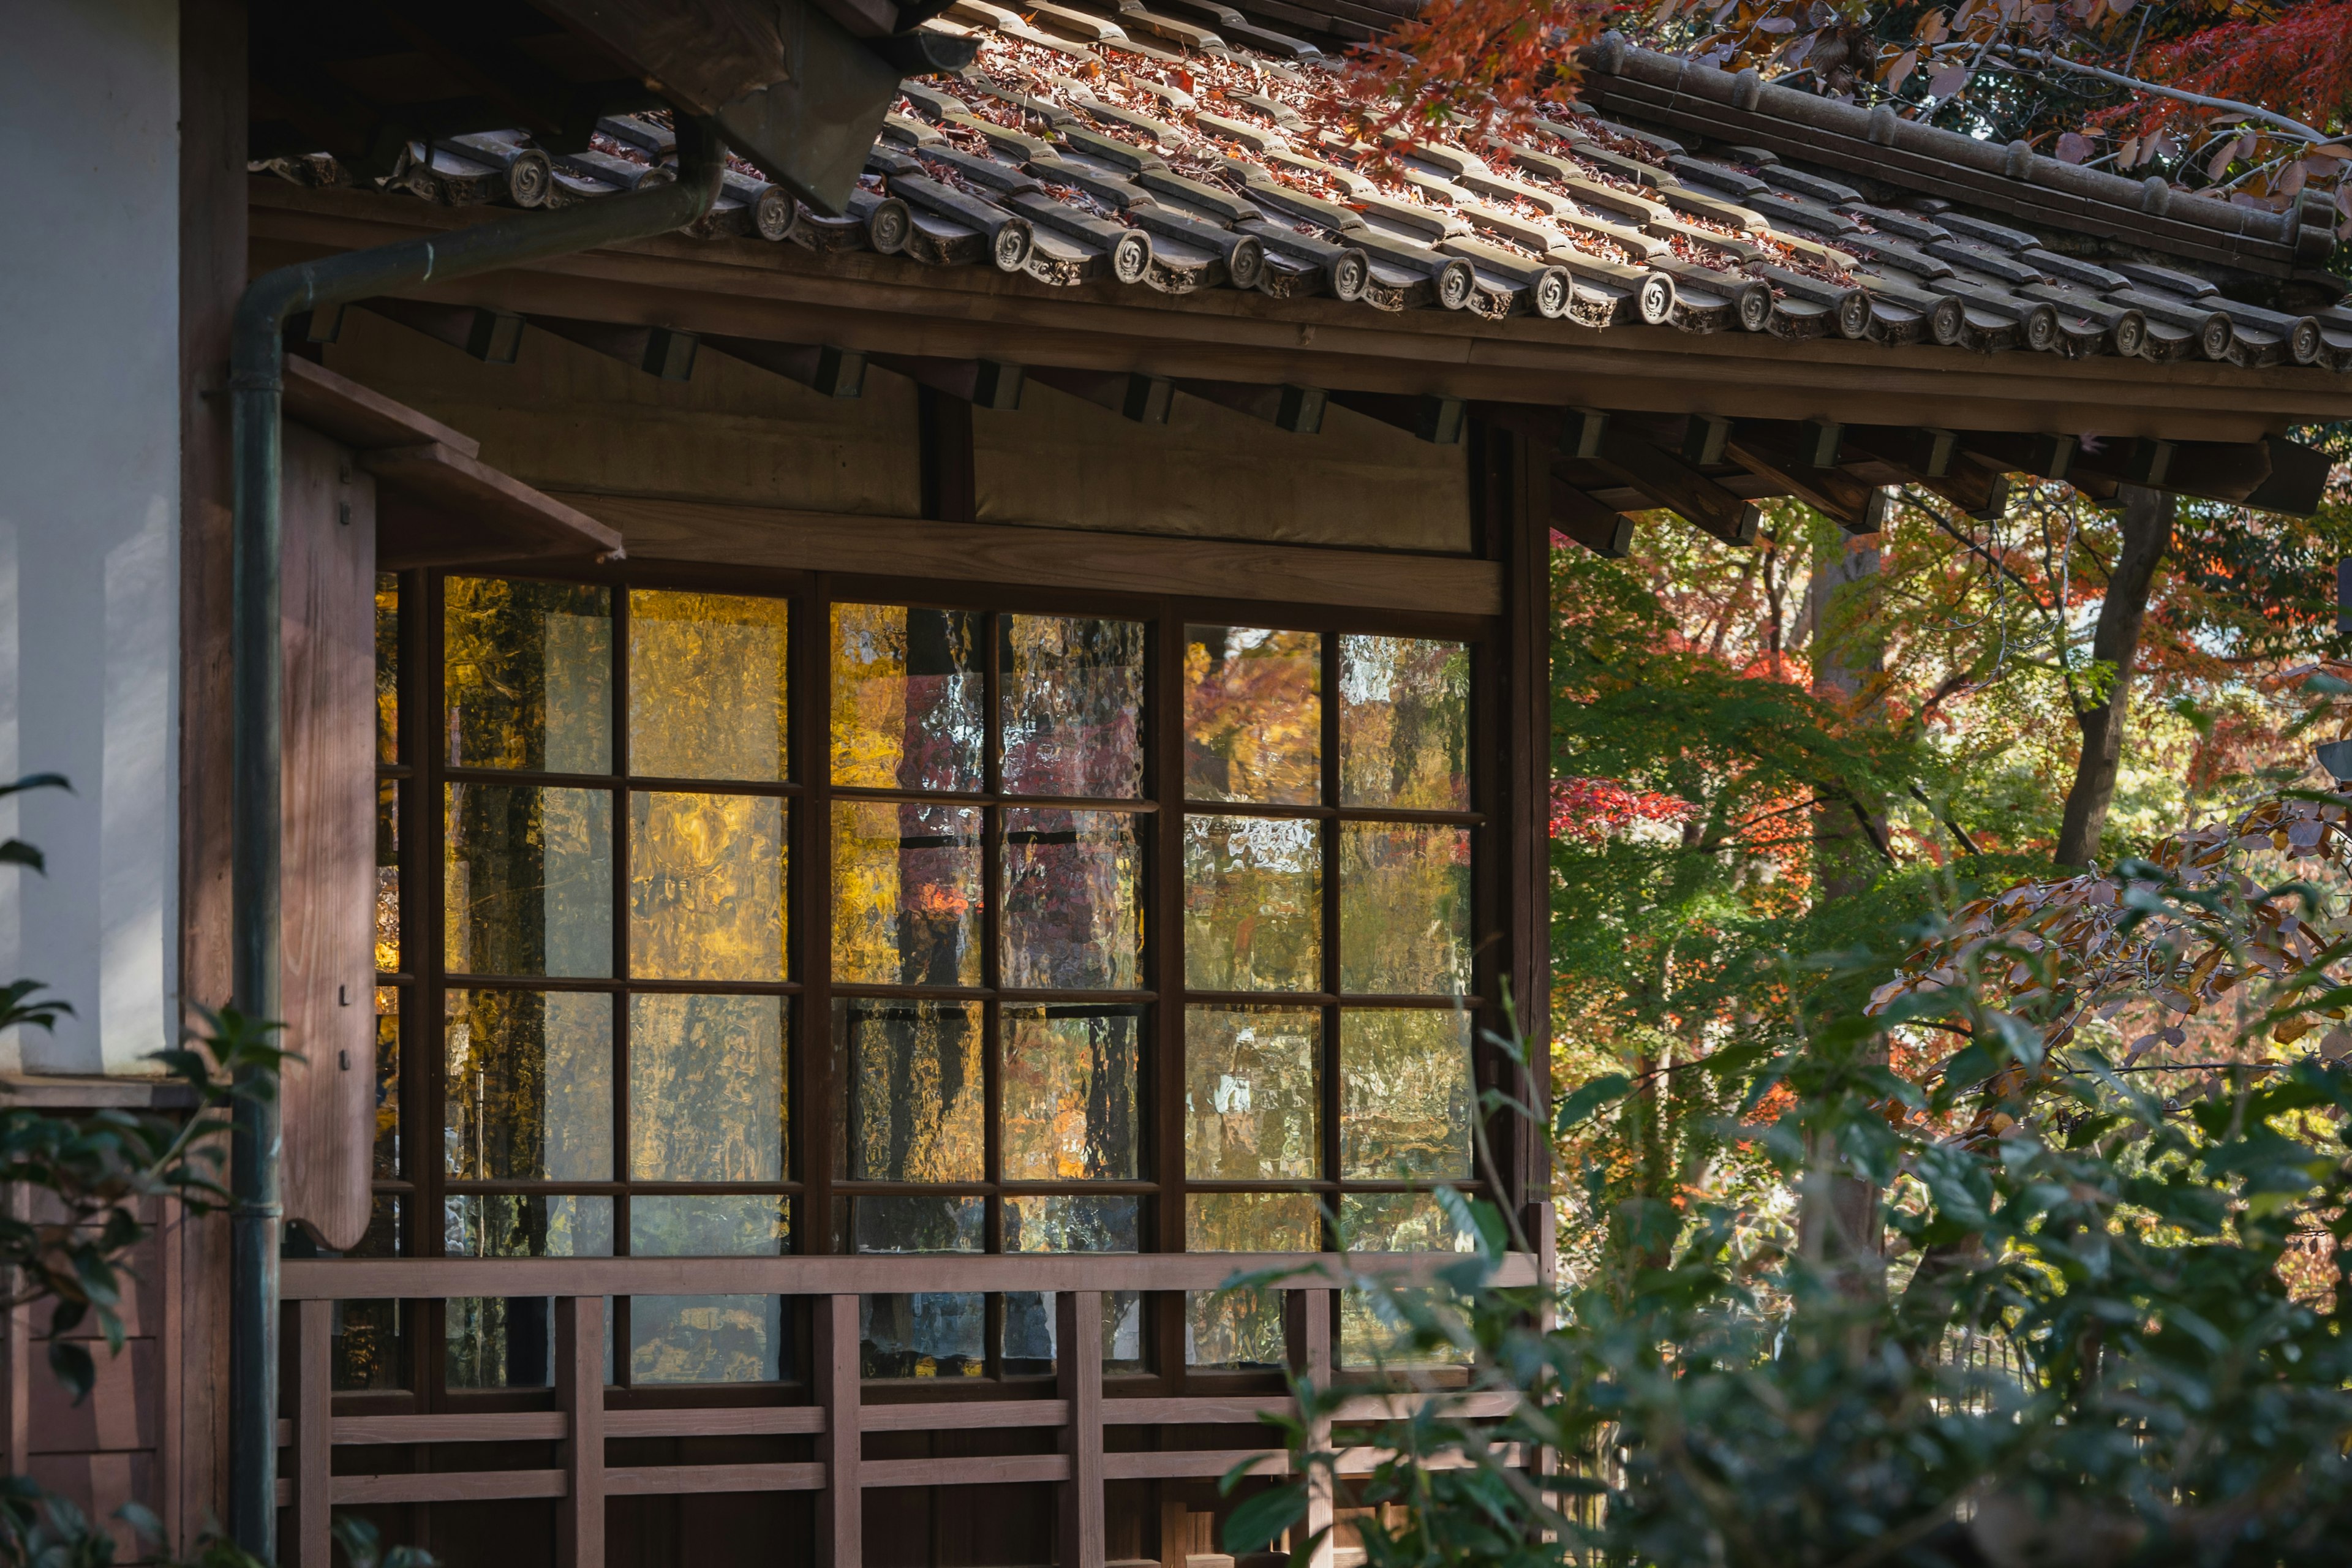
1331	830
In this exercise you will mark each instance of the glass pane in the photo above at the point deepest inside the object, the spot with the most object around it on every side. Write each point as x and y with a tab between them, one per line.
1069	1093
529	674
1400	1222
1032	1334
530	1086
706	887
1237	1330
1404	723
1405	1096
1373	1330
1072	706
1073	905
387	668
509	1341
528	881
912	1223
387	1083
706	1339
1253	715
1252	1222
1253	904
911	1103
707	1088
387	877
930	1335
1253	1106
907	894
706	680
370	1348
1404	909
906	695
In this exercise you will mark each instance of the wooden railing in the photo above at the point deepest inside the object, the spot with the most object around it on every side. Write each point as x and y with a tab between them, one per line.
837	1417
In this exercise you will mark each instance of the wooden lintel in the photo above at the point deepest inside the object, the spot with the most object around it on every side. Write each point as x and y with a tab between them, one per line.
1670	482
358	416
1437	420
494	337
824	369
1130	394
1600	528
983	383
660	352
1060	557
1297	409
437	506
1790	456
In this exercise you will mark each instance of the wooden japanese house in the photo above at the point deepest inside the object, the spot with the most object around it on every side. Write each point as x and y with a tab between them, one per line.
916	774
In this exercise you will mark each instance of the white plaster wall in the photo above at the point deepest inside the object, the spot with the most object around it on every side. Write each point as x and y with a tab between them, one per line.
90	449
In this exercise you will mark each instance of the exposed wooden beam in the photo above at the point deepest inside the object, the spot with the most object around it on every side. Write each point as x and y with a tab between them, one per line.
1437	420
1297	409
658	351
1130	394
438	507
1793	455
2298	481
494	337
1670	482
983	383
1934	460
1603	529
824	369
361	416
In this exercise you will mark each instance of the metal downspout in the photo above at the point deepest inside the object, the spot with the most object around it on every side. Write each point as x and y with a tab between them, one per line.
255	385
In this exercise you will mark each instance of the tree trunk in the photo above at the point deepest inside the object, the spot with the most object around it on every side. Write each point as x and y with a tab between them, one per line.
2148	534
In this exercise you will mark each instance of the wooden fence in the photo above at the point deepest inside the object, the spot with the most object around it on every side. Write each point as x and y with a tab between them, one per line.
836	1417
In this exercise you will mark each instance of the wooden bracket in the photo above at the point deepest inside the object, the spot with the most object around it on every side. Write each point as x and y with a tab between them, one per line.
2297	480
1437	420
494	337
1297	409
2043	457
1133	395
1793	455
1703	435
983	383
1935	461
658	351
827	371
1582	432
1597	528
1670	482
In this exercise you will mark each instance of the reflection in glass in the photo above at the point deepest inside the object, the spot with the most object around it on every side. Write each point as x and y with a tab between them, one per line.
387	1083
1372	1332
1072	703
706	887
907	697
706	680
1252	1222
1404	723
509	1341
934	1335
1253	1111
387	877
707	1088
371	1344
1402	1222
1068	1224
911	1104
907	894
917	1223
529	673
1405	1095
1253	715
1073	912
706	1339
529	1087
1068	1090
1253	904
528	881
1032	1331
387	668
1404	909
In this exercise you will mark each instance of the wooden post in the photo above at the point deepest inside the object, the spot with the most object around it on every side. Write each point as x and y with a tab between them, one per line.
1311	1354
19	1435
840	1508
580	1394
1077	1376
314	1435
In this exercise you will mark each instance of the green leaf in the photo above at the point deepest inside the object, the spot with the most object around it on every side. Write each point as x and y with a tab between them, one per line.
1579	1107
1261	1520
73	1367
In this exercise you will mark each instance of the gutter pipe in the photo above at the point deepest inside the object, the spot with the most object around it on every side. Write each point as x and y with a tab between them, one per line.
256	382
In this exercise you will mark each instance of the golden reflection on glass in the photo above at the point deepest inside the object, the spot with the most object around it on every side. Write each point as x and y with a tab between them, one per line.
1069	1093
1404	723
386	1166
1072	706
913	1102
387	877
1253	903
509	1341
387	668
528	674
1242	1327
707	1088
707	686
706	1339
1253	715
1253	1101
706	887
907	894
529	1086
906	695
1073	915
527	881
1404	909
1406	1100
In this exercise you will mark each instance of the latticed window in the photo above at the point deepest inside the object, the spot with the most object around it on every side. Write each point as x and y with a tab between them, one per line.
735	922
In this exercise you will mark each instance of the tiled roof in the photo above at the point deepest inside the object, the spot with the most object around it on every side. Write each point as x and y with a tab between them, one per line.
1186	148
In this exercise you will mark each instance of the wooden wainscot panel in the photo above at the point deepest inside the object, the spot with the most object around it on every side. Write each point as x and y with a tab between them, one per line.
328	608
1056	557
